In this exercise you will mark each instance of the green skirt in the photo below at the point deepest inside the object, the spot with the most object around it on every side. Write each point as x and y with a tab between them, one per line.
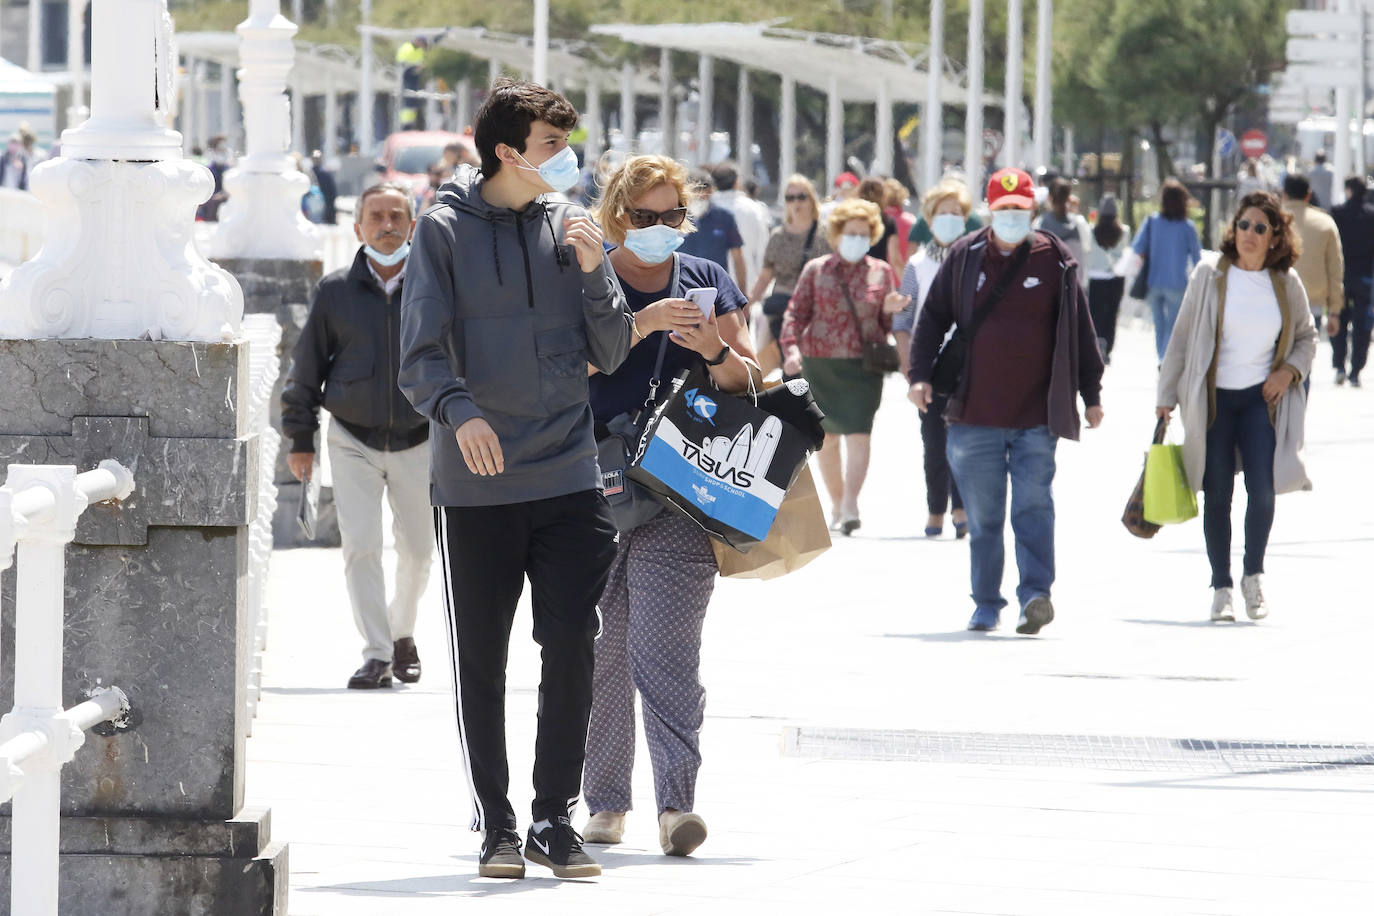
847	392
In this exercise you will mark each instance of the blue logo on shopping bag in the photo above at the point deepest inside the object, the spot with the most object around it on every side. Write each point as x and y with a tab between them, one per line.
702	407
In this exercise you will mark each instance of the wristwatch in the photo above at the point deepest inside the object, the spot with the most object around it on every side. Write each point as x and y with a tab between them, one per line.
720	358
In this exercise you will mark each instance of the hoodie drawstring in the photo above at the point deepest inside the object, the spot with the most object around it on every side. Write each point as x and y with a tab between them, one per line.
560	255
495	251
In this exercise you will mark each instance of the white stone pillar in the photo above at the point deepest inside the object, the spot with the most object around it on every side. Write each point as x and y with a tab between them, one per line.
882	130
188	107
76	61
329	144
120	259
541	42
592	120
667	122
1043	127
1070	154
1011	102
462	115
35	49
834	133
745	125
787	134
362	116
932	116
706	106
628	129
973	124
262	217
1340	154
297	115
226	103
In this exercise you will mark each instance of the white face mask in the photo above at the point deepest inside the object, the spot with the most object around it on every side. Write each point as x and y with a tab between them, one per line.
387	260
1011	226
946	227
854	247
559	171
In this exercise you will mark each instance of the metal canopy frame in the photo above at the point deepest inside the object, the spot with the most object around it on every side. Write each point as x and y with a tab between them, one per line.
318	69
853	65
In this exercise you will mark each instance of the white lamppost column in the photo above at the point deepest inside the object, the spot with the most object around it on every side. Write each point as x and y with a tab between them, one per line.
882	130
1043	128
366	100
119	259
541	42
665	102
932	118
744	129
706	106
262	217
35	49
834	132
628	129
973	128
1011	102
787	128
592	120
76	61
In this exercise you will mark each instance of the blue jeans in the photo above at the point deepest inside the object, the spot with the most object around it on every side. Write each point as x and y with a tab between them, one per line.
1242	424
1164	306
982	458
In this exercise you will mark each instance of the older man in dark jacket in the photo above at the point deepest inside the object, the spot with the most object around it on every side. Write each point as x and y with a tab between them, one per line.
346	361
1032	355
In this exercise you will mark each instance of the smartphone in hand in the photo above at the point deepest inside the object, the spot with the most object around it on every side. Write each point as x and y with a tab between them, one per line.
704	297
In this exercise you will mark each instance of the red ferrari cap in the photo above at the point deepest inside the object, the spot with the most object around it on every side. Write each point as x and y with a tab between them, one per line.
1010	188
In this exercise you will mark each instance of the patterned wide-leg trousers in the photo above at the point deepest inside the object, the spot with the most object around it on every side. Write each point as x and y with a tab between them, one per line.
651	618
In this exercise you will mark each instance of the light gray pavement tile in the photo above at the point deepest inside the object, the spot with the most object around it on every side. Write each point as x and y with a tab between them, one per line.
368	789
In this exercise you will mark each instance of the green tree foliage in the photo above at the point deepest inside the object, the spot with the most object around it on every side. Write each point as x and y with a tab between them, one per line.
1149	64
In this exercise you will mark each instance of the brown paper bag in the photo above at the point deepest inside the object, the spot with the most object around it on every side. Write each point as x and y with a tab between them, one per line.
797	537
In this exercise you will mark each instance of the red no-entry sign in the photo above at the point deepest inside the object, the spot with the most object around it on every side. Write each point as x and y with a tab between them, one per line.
1253	143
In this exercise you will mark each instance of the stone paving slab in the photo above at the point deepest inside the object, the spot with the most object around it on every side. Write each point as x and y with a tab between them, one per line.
368	790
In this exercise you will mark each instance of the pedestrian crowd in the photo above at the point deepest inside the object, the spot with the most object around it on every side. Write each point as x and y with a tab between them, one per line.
478	354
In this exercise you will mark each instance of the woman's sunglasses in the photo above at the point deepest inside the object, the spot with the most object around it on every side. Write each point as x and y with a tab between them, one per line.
1245	225
643	219
794	198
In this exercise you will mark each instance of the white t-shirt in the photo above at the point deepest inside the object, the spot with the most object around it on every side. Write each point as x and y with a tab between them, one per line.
1250	329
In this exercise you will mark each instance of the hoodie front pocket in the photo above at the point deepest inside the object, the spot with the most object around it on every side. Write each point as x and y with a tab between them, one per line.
562	366
501	369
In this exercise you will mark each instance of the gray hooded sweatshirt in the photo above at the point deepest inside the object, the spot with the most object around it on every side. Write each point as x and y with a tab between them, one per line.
498	321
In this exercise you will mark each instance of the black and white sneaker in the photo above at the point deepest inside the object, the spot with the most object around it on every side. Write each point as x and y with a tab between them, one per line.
556	845
501	855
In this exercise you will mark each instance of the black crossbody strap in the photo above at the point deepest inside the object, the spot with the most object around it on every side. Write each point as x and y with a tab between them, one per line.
810	237
1003	282
674	289
849	300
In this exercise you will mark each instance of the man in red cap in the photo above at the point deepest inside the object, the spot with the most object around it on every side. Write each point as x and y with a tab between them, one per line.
1029	352
846	187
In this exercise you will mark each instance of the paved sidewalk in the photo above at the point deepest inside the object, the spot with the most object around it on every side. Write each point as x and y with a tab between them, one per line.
862	750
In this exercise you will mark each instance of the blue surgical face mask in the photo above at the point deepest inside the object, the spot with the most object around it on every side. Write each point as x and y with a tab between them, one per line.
854	247
1011	226
559	171
387	260
946	227
655	244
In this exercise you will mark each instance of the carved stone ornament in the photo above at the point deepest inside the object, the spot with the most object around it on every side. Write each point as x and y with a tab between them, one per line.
119	259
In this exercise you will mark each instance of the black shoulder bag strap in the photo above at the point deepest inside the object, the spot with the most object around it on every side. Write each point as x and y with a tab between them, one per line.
674	289
806	248
1003	282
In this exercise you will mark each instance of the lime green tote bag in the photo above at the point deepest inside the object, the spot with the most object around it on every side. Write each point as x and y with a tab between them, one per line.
1168	498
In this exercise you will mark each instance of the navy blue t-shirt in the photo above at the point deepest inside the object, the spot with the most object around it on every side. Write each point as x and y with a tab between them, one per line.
626	388
717	233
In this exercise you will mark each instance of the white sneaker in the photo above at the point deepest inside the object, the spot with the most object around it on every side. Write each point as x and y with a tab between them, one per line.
606	827
1255	608
1221	606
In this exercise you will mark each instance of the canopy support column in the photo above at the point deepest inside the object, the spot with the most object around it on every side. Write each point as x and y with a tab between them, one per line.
706	77
787	139
329	143
1043	128
834	132
1011	103
882	129
932	115
973	127
666	119
593	123
628	129
745	127
366	100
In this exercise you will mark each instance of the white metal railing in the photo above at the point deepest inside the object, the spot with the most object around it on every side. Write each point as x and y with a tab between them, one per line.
39	508
264	338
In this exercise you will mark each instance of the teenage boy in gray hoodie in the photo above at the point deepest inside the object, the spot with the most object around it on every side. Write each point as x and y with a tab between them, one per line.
509	296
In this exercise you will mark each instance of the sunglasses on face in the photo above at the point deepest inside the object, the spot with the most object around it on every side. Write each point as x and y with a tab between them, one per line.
643	219
794	198
1245	225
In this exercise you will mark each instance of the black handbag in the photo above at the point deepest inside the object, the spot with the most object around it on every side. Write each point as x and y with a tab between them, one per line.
948	371
1140	286
879	356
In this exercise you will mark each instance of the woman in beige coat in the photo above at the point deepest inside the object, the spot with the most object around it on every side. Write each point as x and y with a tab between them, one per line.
1240	351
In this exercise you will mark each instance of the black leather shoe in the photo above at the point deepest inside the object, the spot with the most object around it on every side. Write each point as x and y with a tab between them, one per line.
373	674
405	661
